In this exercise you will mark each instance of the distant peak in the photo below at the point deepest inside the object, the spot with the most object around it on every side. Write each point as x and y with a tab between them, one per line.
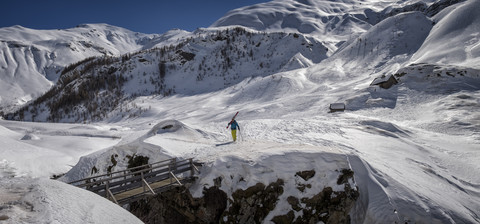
18	27
305	2
93	25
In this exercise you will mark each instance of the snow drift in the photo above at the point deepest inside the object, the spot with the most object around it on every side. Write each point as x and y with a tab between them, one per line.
454	39
50	201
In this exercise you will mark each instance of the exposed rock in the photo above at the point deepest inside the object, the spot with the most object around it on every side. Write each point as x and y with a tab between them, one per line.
178	206
343	178
4	217
327	206
136	161
302	187
306	175
217	182
294	202
284	219
253	204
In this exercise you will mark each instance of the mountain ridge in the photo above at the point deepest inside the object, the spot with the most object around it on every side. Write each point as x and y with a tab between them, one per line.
45	65
42	54
209	60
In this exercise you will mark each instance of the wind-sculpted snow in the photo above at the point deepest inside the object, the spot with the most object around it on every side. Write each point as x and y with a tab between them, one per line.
455	37
331	21
160	143
393	40
328	20
50	201
34	150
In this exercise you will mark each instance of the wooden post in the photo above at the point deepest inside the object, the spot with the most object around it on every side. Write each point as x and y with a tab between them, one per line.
106	190
192	171
170	171
174	164
143	182
110	194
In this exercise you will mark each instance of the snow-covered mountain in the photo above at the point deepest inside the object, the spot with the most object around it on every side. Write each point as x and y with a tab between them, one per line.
205	61
32	60
413	148
331	21
212	59
454	26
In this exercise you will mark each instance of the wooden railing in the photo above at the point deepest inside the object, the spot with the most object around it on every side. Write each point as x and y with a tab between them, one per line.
126	186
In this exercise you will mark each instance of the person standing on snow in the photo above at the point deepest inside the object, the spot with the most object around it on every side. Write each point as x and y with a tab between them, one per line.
233	126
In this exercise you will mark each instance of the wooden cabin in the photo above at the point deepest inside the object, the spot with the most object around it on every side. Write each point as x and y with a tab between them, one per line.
336	107
385	81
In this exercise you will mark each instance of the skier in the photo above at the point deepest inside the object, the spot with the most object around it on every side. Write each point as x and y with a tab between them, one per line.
233	126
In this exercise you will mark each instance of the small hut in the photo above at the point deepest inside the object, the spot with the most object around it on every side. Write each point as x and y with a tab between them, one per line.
335	107
385	81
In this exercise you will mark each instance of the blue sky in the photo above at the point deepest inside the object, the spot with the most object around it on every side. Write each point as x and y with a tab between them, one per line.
145	16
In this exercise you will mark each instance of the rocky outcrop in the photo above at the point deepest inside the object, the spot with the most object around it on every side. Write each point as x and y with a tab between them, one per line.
178	206
252	205
327	206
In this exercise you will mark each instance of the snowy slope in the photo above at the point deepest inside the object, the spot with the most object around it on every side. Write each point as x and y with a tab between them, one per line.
31	60
331	21
393	40
205	61
26	200
414	156
455	37
32	153
413	148
40	150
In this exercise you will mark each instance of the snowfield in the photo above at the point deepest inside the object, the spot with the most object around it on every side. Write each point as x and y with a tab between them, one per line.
414	148
26	200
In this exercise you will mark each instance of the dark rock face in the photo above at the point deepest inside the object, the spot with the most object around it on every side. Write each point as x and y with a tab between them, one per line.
439	6
253	204
327	206
178	206
306	175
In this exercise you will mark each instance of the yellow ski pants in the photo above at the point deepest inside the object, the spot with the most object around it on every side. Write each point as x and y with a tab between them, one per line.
234	135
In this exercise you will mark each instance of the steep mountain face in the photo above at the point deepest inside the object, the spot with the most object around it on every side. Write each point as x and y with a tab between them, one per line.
208	60
31	60
450	38
394	40
455	27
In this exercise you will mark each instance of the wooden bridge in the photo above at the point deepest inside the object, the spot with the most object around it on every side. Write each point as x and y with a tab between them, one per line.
133	184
